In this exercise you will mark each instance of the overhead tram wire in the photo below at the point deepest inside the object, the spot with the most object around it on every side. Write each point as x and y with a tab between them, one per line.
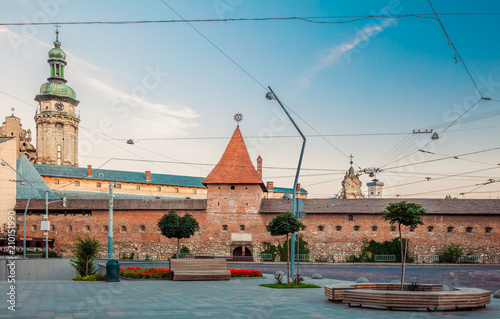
254	79
351	18
380	160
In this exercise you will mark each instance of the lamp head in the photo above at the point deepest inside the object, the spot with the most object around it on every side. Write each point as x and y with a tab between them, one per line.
3	163
270	96
130	141
19	219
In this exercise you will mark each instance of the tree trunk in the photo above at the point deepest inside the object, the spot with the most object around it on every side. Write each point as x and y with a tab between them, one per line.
287	260
178	246
86	266
402	259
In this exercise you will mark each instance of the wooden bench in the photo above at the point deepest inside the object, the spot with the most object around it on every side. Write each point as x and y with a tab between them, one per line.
389	296
199	269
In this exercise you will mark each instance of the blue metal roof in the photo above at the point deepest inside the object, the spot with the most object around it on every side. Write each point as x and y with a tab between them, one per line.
72	194
36	187
287	190
118	176
3	139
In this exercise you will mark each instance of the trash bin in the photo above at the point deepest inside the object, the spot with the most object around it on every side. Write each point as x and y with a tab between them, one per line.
112	271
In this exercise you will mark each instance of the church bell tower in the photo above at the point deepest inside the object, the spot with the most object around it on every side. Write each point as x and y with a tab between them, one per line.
56	118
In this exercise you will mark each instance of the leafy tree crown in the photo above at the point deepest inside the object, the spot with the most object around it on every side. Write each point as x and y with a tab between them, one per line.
283	224
404	213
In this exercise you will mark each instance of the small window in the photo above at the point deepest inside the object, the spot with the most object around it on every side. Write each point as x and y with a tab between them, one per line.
242	227
303	228
98	185
87	228
194	191
105	228
412	229
56	181
142	229
393	228
123	229
350	217
356	228
450	229
338	228
138	187
176	190
469	230
232	187
224	228
488	230
70	228
374	228
321	228
77	183
52	227
118	186
158	188
430	229
35	227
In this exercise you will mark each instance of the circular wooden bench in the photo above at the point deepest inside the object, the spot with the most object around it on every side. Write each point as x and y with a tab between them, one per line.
390	296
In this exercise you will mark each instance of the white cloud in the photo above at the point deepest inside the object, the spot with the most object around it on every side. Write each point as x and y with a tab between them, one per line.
337	52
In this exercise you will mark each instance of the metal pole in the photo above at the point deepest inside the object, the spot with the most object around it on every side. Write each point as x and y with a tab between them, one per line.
47	218
24	226
294	205
110	225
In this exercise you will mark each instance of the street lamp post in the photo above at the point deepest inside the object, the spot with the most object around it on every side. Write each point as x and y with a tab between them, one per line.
4	163
272	96
110	225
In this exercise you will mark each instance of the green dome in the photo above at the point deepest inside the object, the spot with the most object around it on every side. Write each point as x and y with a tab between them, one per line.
58	88
57	52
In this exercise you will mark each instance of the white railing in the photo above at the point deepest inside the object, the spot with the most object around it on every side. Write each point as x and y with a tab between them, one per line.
472	259
342	258
187	255
385	258
223	256
427	258
266	257
302	257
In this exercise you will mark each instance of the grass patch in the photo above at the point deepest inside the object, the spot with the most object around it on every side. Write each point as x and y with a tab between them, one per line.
289	286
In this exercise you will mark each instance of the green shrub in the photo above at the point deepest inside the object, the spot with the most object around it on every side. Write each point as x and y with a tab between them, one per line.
282	249
96	277
184	250
87	250
269	249
452	254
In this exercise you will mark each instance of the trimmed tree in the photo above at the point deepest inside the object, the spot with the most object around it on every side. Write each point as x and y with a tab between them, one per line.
406	214
172	225
86	251
284	224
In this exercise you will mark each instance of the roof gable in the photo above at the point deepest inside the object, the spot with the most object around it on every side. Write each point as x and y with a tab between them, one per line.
36	186
235	166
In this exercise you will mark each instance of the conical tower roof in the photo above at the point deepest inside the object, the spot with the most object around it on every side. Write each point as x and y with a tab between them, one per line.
235	166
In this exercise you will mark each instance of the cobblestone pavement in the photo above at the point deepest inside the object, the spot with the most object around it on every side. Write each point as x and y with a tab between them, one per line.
237	298
477	276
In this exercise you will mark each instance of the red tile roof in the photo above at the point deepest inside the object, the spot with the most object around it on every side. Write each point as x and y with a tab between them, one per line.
235	166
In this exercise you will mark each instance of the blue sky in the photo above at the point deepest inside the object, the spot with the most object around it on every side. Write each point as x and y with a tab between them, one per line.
154	82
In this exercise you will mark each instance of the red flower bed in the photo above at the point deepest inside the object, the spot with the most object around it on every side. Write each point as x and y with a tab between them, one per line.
137	272
245	273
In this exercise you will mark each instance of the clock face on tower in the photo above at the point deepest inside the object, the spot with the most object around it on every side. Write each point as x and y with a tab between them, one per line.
59	106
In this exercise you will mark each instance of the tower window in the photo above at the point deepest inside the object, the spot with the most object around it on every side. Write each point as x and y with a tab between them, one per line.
52	227
77	183
350	217
98	185
70	228
142	229
488	230
118	186
393	228
242	227
450	229
87	228
321	228
374	228
105	228
158	188
338	228
224	228
412	229
176	190
469	229
35	227
430	229
356	228
194	191
59	154
137	187
56	181
303	228
123	229
232	187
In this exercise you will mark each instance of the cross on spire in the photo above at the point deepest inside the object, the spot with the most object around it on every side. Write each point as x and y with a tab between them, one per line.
351	159
57	31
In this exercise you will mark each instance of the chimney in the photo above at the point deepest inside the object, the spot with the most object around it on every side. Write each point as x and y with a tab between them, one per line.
270	186
259	167
297	189
89	170
148	175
